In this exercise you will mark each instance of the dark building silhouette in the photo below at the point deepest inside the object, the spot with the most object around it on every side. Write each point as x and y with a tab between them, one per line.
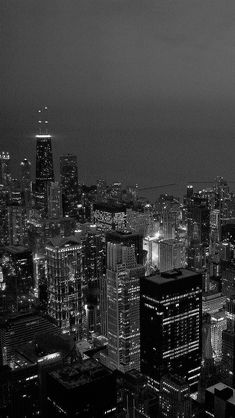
69	185
44	164
84	389
170	326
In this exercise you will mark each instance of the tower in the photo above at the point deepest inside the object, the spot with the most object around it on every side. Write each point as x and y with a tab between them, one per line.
26	186
44	163
170	326
64	281
228	345
123	298
69	184
54	201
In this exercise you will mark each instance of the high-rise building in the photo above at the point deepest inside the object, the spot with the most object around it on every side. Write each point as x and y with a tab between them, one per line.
108	217
17	225
4	220
198	222
174	397
172	255
5	169
54	201
170	325
228	280
44	163
123	297
93	259
218	325
69	184
16	279
228	345
64	280
26	182
128	239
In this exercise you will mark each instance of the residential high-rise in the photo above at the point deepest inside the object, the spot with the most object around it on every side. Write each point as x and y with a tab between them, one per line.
170	325
69	184
123	297
44	163
5	169
64	280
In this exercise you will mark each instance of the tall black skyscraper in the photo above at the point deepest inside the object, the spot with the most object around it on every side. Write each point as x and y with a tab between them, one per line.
170	325
69	184
44	163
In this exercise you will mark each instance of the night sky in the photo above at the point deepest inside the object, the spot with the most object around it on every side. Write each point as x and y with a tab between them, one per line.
142	91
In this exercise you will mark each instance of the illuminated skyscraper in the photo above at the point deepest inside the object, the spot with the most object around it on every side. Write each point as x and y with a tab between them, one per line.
44	163
170	325
218	325
64	279
69	184
5	169
123	296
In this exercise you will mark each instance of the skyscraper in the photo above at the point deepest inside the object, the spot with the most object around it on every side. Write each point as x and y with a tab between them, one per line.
69	184
5	169
64	279
26	184
170	325
44	163
54	201
228	345
123	296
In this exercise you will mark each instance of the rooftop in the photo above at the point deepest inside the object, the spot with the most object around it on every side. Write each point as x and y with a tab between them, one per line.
171	276
59	242
226	392
80	373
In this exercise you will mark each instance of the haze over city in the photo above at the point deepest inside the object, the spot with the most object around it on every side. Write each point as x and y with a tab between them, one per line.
141	92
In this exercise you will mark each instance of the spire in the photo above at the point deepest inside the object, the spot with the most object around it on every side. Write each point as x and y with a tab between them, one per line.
43	123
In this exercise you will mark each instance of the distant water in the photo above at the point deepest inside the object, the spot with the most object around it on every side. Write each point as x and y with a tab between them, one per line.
177	190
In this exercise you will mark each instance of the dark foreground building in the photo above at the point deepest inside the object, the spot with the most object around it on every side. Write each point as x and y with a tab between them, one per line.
170	326
84	389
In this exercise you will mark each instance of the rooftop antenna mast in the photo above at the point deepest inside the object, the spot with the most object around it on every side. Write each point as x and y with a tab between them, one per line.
43	122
